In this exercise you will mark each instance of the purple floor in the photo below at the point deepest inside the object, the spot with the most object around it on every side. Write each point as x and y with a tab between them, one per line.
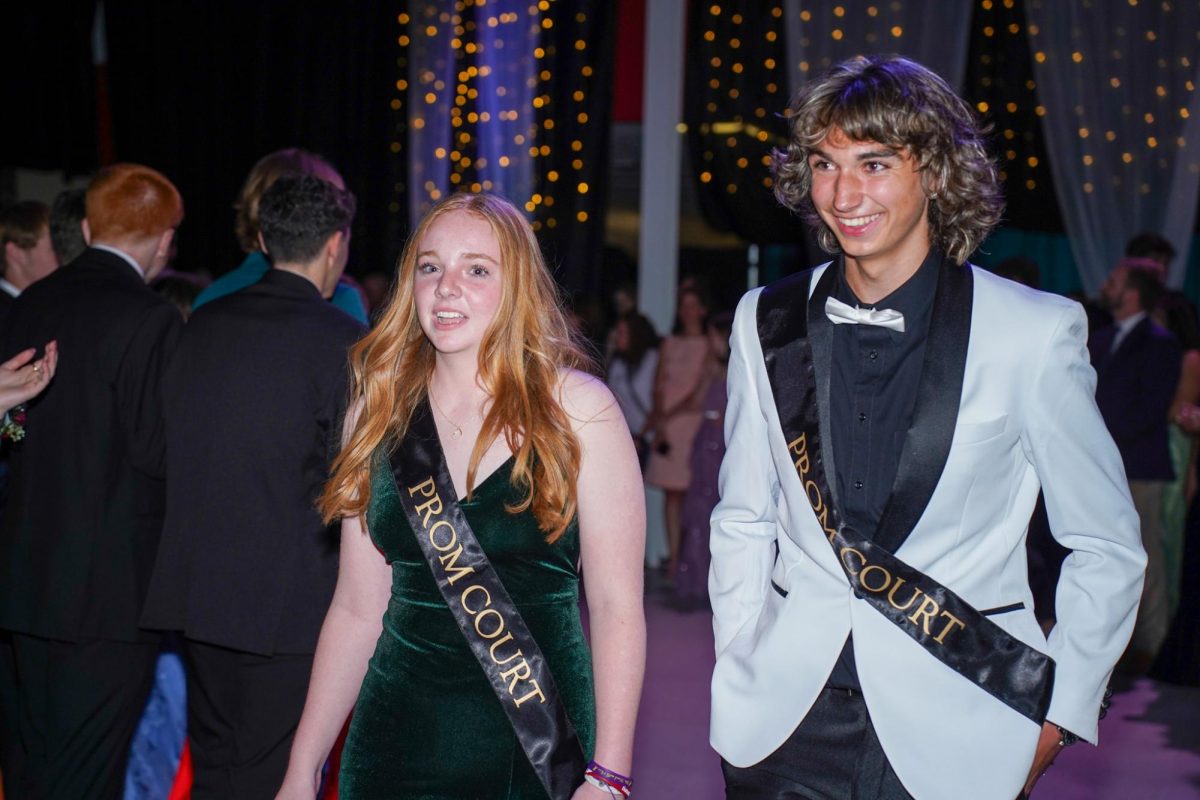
1150	740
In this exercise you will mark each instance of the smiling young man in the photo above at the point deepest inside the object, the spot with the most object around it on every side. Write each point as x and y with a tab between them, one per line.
892	415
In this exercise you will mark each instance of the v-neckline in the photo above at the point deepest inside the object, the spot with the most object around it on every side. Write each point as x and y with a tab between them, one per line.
490	476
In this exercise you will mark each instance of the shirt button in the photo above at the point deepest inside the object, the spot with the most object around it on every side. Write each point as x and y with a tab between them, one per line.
858	484
874	354
862	417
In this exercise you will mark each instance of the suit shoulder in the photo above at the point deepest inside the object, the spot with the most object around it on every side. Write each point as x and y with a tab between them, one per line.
1013	292
1020	304
339	323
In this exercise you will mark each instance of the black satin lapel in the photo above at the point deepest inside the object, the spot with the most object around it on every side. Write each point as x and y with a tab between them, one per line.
939	392
820	335
785	328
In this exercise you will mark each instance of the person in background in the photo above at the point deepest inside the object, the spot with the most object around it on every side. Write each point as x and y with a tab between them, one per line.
1137	365
66	224
1179	659
181	288
252	404
631	370
268	169
708	449
1152	246
1177	315
376	284
632	365
81	527
26	255
673	422
624	302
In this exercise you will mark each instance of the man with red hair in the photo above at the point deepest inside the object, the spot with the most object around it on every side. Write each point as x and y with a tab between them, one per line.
79	534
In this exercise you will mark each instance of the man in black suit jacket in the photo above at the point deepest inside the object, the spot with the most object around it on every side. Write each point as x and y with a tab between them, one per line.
1137	367
84	514
254	400
26	252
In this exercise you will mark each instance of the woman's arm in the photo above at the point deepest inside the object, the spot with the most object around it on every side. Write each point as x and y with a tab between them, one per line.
612	528
658	397
348	637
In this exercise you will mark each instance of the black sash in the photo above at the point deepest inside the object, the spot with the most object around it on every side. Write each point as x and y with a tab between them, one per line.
486	615
797	339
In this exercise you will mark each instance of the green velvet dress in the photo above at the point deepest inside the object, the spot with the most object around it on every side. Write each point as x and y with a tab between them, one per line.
427	725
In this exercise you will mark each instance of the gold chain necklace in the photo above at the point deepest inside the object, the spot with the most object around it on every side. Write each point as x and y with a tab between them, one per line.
457	432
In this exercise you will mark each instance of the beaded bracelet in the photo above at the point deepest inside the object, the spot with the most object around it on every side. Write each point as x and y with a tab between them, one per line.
616	784
615	792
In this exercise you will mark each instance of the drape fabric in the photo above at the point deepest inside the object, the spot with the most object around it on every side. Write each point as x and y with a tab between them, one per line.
1118	84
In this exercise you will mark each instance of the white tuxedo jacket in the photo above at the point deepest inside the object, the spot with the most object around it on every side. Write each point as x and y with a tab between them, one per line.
1027	419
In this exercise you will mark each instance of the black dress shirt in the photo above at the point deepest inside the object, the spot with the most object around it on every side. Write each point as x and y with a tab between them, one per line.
872	391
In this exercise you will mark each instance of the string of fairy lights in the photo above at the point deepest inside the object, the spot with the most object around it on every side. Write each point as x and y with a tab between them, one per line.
1157	116
741	97
523	124
515	80
1000	85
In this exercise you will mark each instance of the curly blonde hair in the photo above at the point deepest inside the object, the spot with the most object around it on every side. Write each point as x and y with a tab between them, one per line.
900	104
523	351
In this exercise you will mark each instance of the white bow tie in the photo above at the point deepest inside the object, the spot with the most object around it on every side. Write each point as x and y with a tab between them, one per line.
841	314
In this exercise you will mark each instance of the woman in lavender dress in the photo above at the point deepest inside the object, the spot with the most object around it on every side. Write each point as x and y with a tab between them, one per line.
708	448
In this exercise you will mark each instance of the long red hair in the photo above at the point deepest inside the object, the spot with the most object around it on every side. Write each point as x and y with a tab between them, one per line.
523	352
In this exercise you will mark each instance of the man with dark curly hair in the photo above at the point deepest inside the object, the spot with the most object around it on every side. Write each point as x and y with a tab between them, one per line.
892	415
253	404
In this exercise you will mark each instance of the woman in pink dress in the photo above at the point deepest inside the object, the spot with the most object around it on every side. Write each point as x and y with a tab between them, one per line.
674	420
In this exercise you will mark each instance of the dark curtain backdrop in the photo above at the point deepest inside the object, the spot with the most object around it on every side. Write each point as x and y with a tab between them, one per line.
48	86
735	94
202	90
574	247
1000	84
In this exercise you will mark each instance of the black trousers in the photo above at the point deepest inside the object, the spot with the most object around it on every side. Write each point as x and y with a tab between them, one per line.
77	707
833	754
243	710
